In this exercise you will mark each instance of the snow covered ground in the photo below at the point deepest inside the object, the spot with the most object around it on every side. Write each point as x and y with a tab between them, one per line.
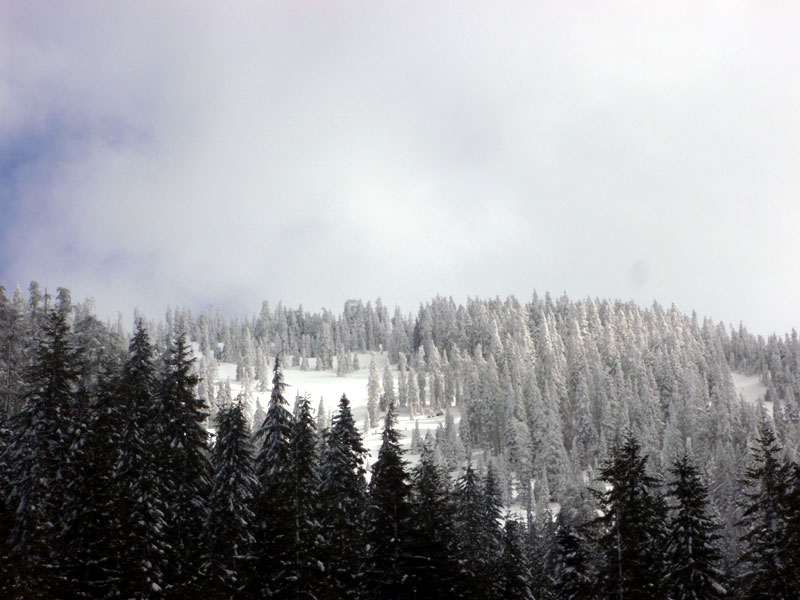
330	387
751	389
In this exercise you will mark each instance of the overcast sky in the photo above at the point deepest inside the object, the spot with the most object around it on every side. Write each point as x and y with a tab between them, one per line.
196	153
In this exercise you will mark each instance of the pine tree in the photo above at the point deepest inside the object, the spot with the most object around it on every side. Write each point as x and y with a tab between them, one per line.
343	502
6	516
322	416
574	573
373	393
144	546
478	535
227	533
692	552
91	513
514	568
387	562
415	437
768	558
388	396
12	353
631	528
303	570
793	521
273	511
39	454
432	542
183	466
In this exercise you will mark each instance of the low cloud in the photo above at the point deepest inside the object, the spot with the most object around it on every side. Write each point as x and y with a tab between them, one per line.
205	154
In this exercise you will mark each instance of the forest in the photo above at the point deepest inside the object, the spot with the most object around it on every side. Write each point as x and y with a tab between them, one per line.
126	472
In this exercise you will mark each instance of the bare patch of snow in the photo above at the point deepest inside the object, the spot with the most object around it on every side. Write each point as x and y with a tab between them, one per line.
750	389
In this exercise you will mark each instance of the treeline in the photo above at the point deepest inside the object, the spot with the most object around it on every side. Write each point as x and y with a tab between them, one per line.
544	386
112	489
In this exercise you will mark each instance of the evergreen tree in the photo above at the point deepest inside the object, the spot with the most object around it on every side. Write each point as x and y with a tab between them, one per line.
433	566
631	527
39	454
388	396
303	571
12	353
6	518
227	533
793	520
692	552
274	510
574	573
144	546
373	393
322	416
343	502
91	512
768	559
479	538
514	568
387	565
183	465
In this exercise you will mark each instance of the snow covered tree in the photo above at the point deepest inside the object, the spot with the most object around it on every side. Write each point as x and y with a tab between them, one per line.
631	527
322	416
39	454
227	533
768	557
386	571
514	568
479	537
415	437
183	464
258	415
90	515
388	397
692	552
303	570
12	352
6	518
343	502
273	506
373	393
574	572
433	568
144	562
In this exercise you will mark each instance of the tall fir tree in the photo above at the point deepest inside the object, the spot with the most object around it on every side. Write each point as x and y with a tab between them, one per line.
388	397
768	560
91	513
343	501
303	569
479	537
228	531
514	568
183	465
373	393
6	516
273	509
40	453
692	553
387	564
631	528
145	550
433	567
574	574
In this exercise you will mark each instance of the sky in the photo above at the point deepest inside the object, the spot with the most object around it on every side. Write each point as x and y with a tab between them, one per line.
158	154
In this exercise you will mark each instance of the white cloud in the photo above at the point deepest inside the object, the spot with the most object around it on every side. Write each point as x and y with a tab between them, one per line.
209	153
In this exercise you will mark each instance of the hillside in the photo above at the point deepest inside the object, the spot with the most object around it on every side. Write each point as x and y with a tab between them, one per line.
440	426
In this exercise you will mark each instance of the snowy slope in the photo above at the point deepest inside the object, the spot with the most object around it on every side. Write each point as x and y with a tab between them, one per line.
328	386
751	389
